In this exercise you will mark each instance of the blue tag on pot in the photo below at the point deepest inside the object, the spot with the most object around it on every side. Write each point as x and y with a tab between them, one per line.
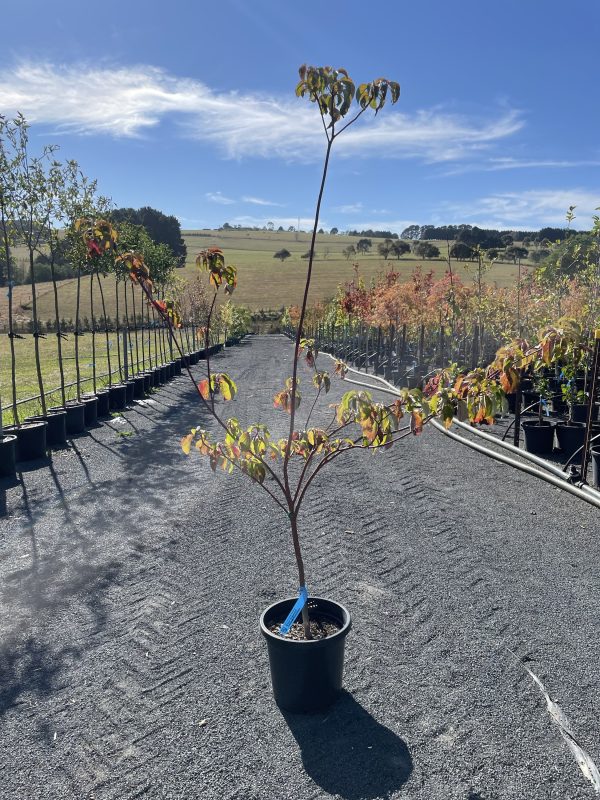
292	616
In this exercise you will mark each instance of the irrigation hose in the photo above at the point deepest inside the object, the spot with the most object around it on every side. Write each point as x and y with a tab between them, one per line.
556	476
587	494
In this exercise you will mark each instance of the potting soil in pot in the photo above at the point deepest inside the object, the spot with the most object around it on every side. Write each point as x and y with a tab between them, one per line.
320	628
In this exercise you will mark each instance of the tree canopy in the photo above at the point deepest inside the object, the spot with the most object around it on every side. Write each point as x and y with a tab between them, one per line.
162	229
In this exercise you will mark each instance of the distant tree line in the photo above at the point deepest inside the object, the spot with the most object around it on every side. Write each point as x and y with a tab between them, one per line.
485	238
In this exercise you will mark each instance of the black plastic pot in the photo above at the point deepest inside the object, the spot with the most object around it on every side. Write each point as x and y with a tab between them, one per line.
164	373
570	438
155	373
117	397
306	675
31	440
539	437
148	382
138	387
595	454
194	357
177	366
90	402
8	456
75	416
579	412
130	391
56	432
103	407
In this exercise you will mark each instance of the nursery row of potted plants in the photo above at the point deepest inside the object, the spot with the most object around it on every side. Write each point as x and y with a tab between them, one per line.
32	438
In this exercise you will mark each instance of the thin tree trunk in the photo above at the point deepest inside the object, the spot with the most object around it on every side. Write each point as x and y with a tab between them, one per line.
105	328
58	333
77	333
118	330
93	319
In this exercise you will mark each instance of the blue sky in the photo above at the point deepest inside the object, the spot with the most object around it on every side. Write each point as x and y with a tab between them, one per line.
189	107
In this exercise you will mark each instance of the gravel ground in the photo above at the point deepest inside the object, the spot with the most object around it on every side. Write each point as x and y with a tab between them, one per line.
131	581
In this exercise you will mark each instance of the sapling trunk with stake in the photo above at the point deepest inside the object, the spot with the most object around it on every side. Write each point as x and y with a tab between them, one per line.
11	153
31	224
251	450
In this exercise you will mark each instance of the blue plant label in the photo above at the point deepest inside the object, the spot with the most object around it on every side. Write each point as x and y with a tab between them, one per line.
297	608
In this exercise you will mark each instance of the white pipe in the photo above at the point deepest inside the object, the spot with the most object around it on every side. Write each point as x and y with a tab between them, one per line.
590	495
511	447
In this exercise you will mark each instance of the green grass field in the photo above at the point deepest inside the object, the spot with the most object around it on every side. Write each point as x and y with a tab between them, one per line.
264	282
27	383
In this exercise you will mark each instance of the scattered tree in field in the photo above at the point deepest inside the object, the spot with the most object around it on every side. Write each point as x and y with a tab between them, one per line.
426	250
514	253
461	251
384	248
363	245
399	248
282	254
539	255
334	232
492	253
349	251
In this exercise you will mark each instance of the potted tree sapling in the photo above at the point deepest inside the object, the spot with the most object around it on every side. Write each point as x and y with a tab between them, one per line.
570	349
305	633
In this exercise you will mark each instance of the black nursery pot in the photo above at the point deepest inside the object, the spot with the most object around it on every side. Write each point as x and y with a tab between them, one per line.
56	432
306	675
595	453
90	413
570	438
579	412
103	406
31	440
177	366
539	437
138	387
164	373
130	391
511	399
194	357
155	373
75	421
8	456
117	397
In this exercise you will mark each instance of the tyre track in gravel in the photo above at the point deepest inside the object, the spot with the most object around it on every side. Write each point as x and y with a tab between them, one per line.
156	629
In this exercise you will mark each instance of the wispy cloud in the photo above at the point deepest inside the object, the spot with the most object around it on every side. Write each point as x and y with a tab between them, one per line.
529	209
500	164
258	201
217	197
130	101
351	208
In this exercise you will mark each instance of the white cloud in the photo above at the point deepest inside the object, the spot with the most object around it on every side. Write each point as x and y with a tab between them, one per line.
500	164
217	197
530	209
258	201
128	101
352	208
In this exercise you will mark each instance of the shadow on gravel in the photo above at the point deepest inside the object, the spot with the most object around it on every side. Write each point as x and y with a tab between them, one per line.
30	667
348	753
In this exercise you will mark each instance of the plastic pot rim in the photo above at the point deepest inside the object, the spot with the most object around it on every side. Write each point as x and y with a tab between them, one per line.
314	643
